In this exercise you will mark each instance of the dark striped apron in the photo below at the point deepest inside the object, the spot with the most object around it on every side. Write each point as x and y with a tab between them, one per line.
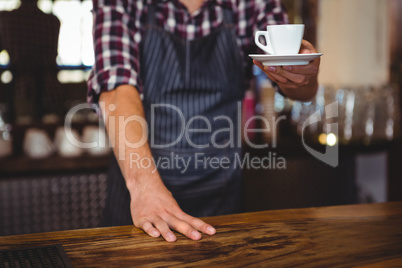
197	83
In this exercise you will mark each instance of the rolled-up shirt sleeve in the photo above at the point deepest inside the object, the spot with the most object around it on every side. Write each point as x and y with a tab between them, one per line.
116	46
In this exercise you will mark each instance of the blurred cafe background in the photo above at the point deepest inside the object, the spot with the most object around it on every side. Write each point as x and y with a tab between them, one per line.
48	184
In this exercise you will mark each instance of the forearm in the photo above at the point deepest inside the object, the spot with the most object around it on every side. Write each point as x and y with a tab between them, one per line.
128	137
153	207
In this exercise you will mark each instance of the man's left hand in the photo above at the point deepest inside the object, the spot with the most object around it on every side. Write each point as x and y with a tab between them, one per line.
296	82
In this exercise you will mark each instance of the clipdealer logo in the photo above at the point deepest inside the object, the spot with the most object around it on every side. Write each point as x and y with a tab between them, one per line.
330	156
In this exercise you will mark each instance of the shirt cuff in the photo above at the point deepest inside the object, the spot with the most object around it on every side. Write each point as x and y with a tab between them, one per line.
108	80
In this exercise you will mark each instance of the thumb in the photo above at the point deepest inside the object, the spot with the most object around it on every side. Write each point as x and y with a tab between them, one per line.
306	45
305	51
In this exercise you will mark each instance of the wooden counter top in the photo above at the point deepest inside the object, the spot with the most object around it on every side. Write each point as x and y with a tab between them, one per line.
367	235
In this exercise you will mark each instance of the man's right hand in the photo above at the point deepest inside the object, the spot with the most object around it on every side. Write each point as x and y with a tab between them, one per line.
153	207
154	210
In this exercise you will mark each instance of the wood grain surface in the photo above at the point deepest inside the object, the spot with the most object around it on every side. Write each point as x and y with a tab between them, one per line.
342	236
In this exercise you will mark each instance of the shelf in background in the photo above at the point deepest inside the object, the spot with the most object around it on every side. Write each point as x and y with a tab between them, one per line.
23	165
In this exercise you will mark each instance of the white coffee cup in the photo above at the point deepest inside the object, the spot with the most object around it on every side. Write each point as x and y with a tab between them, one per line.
282	39
96	135
37	143
64	146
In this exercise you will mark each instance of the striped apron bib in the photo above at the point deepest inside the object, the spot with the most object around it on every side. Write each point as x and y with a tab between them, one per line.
192	91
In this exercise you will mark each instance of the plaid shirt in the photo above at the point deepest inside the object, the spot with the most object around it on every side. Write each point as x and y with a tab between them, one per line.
119	27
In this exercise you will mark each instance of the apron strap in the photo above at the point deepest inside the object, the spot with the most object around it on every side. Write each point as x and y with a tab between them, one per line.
227	16
151	15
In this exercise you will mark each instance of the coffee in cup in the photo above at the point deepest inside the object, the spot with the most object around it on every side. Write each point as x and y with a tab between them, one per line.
284	39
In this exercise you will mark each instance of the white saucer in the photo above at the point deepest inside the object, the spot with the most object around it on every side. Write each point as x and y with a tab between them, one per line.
282	60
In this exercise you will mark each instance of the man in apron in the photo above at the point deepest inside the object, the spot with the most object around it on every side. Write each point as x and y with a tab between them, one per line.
189	61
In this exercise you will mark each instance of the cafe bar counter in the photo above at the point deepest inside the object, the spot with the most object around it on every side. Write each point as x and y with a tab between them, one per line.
367	235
